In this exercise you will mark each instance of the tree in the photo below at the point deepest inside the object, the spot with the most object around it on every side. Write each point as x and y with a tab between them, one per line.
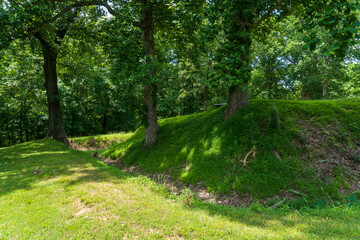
48	23
152	14
243	18
284	68
22	96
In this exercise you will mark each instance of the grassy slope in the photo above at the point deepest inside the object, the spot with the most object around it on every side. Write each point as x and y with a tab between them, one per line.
202	147
78	197
101	141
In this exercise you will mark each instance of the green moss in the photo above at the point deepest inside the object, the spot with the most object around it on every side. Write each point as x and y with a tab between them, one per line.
274	118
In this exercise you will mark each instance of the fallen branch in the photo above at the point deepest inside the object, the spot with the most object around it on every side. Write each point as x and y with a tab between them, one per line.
297	192
247	155
37	171
277	204
277	155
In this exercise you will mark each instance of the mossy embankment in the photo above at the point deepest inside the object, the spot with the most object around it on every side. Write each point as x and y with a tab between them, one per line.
297	149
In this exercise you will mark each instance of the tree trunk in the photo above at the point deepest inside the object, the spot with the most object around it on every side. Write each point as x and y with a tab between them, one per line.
7	126
303	92
324	88
27	134
237	100
147	29
152	126
181	106
269	86
26	121
239	37
56	123
104	118
206	95
21	122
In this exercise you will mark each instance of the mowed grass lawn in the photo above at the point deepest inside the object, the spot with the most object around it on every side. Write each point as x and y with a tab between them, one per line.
77	197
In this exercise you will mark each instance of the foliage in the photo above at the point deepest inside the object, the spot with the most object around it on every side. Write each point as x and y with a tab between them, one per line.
339	18
200	53
22	97
286	69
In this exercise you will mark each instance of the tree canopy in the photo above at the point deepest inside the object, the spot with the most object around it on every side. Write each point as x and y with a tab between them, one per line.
79	67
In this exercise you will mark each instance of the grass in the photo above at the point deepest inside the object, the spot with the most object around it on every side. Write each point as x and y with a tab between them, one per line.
204	148
101	141
77	197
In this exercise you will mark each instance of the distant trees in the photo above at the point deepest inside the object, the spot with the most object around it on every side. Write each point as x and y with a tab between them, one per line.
243	20
284	68
49	24
153	59
22	106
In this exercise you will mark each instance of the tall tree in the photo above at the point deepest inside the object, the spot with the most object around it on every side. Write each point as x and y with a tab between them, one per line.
48	23
50	53
146	24
243	18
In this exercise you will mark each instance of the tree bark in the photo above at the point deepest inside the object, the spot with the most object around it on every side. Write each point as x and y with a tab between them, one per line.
237	100
21	122
148	44
56	123
27	134
206	95
152	126
104	118
240	36
324	87
26	121
7	126
270	87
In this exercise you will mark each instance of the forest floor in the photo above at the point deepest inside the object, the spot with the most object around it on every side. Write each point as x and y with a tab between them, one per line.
48	191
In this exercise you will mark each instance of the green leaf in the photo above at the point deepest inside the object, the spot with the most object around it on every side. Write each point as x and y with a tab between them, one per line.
351	29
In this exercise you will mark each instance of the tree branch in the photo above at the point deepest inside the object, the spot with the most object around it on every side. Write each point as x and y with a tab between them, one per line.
271	10
43	42
291	61
67	9
91	2
138	24
286	82
158	19
51	20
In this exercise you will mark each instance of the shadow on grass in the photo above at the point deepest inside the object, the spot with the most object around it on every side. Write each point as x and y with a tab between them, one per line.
17	173
326	222
205	148
52	160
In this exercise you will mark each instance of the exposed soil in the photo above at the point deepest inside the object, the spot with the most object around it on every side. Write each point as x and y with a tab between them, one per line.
92	144
331	151
176	187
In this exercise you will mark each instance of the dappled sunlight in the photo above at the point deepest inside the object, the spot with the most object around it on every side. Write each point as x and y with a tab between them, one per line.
284	223
8	153
52	160
26	155
81	196
205	148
